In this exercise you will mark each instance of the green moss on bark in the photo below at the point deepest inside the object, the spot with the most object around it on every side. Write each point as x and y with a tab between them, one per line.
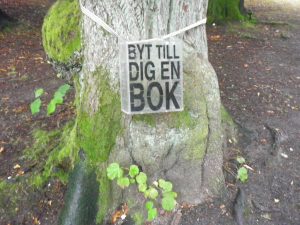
224	10
197	142
61	30
97	131
148	119
182	120
105	194
174	120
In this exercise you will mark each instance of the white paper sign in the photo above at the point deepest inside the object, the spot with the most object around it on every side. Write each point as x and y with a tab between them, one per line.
151	76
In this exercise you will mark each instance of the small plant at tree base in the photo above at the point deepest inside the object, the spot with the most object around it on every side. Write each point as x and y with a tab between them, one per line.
242	173
57	99
160	188
35	106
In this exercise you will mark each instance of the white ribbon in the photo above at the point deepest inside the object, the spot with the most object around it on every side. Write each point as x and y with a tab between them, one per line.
105	26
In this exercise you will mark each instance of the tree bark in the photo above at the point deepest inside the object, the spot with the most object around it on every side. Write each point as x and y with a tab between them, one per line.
242	7
184	147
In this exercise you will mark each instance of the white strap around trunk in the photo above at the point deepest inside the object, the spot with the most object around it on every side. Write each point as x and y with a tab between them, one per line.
105	26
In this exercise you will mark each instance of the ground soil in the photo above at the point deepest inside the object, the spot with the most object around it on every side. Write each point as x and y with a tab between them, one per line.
23	69
259	75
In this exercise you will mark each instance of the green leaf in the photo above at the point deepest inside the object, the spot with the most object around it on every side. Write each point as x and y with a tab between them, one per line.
240	159
242	174
142	188
58	98
57	94
38	92
51	107
123	182
165	185
63	89
114	171
35	106
141	178
168	203
146	193
170	194
152	193
152	214
133	171
149	205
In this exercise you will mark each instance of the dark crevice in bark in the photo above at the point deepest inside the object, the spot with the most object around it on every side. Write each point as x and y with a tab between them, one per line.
170	17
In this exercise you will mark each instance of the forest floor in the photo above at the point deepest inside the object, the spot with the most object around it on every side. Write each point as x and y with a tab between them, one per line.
258	67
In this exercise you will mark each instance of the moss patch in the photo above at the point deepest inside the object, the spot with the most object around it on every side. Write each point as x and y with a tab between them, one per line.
197	142
182	120
61	30
105	194
54	153
8	199
148	119
97	132
174	120
44	141
226	117
224	10
12	195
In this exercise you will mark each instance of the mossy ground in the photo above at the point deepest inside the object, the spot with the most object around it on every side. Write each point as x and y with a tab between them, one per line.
54	153
61	30
9	198
226	117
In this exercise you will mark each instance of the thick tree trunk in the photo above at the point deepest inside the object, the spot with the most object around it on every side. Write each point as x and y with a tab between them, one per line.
183	147
242	7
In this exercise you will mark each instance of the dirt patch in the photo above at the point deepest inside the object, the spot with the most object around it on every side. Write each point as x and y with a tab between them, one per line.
259	76
23	69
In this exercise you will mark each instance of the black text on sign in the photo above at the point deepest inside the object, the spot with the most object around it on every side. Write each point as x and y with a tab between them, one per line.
151	76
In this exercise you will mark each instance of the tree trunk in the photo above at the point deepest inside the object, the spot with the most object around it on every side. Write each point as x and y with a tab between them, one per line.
242	7
183	147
